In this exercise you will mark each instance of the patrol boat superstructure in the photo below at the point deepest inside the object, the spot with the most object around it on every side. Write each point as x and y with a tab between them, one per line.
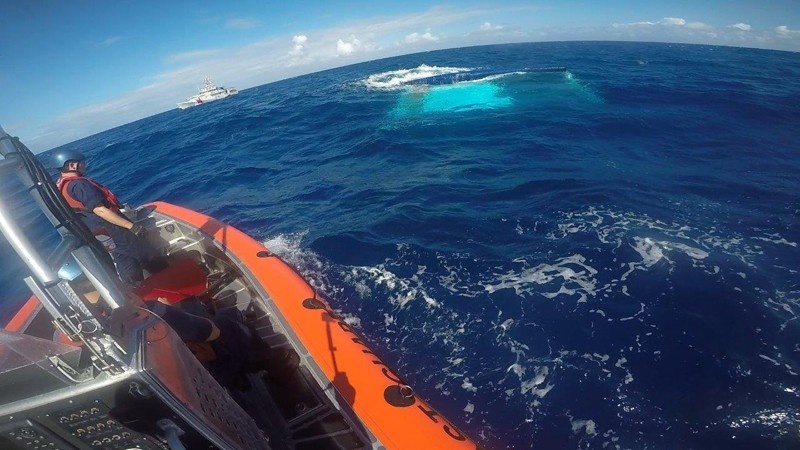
121	378
208	93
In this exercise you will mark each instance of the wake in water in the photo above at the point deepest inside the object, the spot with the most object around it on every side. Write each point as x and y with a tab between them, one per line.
633	307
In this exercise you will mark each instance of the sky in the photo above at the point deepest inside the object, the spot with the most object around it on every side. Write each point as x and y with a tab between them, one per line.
71	69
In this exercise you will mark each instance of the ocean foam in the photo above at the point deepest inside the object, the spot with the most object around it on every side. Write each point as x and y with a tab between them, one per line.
587	425
468	386
399	78
639	244
401	290
776	239
575	275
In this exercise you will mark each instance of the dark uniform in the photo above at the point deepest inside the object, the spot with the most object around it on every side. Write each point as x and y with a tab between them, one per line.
131	254
234	349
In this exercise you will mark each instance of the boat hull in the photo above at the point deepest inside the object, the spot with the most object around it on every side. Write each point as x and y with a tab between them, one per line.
379	397
217	94
347	371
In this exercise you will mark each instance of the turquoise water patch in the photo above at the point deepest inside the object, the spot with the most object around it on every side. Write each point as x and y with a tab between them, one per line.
458	97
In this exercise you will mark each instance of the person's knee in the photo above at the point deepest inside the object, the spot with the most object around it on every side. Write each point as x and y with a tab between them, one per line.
128	269
155	265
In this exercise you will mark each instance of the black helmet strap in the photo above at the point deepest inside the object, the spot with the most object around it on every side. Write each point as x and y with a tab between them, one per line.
65	168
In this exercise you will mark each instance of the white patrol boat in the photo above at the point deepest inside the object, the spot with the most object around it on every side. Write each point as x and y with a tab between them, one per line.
208	93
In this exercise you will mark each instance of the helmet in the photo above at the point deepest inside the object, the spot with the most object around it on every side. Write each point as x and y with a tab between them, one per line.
62	157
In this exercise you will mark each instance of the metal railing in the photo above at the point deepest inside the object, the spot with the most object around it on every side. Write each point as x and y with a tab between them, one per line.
68	310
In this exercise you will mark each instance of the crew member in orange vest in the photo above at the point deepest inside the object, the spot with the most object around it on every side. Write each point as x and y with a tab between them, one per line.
100	210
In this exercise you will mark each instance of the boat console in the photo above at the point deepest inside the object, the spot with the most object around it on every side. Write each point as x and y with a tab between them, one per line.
50	399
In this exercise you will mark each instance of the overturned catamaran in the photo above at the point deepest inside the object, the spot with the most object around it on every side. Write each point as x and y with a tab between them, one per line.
119	377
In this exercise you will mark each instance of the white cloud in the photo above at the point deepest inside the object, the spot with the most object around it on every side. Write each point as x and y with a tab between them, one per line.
666	21
298	44
298	54
415	38
632	24
344	48
90	119
698	26
193	56
242	23
487	26
109	42
676	29
783	30
209	20
677	21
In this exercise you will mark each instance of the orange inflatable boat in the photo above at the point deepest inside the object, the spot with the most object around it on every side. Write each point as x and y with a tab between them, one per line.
88	364
330	348
332	390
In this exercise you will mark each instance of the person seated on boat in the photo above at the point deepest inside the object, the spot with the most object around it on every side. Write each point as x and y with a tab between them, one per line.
100	210
224	343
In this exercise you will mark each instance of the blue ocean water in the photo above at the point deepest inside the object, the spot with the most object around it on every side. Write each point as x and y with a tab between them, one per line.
605	257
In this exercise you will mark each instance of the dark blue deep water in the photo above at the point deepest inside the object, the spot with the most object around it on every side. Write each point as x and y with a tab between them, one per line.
600	258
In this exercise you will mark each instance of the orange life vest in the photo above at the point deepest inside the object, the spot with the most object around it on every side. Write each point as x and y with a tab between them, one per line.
110	200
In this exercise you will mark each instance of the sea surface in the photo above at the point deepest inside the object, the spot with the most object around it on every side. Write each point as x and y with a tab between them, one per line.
601	257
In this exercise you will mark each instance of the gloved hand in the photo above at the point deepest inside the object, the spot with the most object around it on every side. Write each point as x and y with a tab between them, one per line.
138	229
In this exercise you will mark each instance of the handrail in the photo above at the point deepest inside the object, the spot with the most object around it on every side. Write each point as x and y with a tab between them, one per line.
24	248
56	295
